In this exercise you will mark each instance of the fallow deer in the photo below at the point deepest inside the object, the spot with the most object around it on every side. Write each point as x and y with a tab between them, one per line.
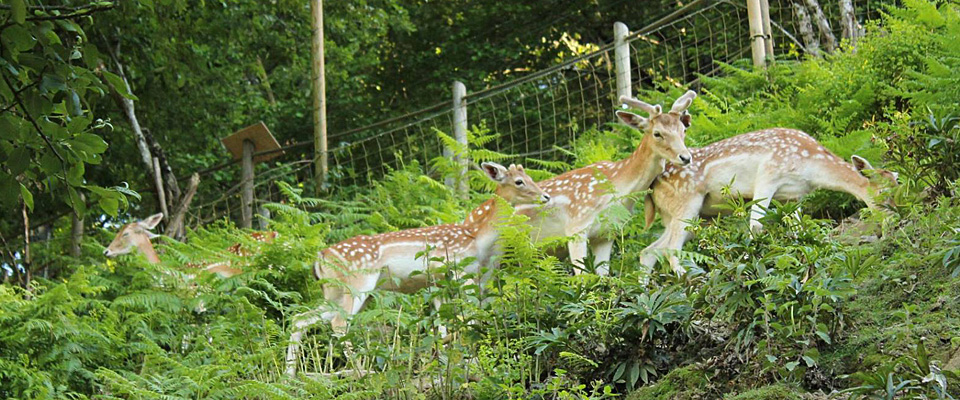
581	196
136	236
779	163
390	260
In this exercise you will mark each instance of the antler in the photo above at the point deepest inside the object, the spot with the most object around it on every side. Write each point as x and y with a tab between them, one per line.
683	102
650	109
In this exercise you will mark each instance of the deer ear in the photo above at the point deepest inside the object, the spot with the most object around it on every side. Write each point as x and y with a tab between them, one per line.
151	221
685	119
860	163
632	119
494	171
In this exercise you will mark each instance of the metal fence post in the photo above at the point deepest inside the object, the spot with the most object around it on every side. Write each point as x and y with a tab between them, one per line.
754	14
622	57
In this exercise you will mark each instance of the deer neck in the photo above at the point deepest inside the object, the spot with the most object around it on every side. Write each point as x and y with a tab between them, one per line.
481	219
147	249
638	171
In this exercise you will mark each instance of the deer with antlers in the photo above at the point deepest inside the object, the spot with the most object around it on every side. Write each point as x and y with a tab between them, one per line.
390	261
779	163
582	195
136	236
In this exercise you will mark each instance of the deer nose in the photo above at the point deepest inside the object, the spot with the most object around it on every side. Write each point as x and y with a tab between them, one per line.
685	159
545	198
106	252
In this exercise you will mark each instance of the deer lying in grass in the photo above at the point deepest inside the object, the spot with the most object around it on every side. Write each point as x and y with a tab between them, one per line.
580	196
389	260
779	163
136	236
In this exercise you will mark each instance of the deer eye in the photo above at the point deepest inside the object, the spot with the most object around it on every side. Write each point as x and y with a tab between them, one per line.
519	182
657	135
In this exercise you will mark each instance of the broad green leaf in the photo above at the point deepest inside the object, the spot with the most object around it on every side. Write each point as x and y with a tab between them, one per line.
118	84
27	197
18	9
89	143
19	160
20	38
792	365
8	190
109	205
73	104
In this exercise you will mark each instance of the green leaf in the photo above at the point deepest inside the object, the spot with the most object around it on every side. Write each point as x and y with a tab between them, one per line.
89	143
19	37
8	190
634	373
109	205
118	84
75	174
27	197
19	160
73	104
792	365
18	8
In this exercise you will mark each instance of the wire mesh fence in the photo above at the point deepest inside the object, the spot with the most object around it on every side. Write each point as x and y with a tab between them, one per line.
544	111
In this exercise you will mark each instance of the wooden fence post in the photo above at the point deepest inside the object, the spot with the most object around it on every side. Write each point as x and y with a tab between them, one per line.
460	134
767	29
246	192
319	98
622	57
754	15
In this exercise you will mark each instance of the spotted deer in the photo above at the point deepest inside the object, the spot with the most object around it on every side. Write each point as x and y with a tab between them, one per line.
779	163
582	195
136	236
390	261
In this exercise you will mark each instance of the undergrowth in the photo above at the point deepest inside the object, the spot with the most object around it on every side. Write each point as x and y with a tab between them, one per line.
801	311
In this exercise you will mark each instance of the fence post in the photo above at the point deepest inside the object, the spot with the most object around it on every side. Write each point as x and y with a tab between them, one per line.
246	191
754	14
622	57
319	98
460	134
767	29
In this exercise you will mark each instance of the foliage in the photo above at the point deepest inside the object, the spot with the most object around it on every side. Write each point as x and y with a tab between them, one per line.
772	315
49	134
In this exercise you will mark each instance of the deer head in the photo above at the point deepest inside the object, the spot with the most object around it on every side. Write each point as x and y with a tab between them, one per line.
514	185
881	180
667	130
135	235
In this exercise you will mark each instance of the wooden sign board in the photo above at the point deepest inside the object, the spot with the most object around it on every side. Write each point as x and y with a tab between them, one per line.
262	140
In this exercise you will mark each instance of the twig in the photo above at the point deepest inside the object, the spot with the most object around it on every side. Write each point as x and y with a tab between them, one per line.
79	12
16	98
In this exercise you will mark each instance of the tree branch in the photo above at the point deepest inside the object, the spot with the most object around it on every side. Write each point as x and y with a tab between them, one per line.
18	101
76	13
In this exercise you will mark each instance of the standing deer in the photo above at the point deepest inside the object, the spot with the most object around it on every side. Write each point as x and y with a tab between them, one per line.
779	163
136	236
581	196
390	260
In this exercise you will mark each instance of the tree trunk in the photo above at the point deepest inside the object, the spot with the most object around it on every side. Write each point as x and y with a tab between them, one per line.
176	228
76	231
811	43
848	22
826	33
169	179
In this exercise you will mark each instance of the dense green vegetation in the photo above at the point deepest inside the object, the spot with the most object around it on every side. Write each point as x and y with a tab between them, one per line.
870	309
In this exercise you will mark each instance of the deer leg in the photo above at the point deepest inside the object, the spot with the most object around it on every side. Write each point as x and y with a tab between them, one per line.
578	253
601	253
764	193
300	325
675	241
